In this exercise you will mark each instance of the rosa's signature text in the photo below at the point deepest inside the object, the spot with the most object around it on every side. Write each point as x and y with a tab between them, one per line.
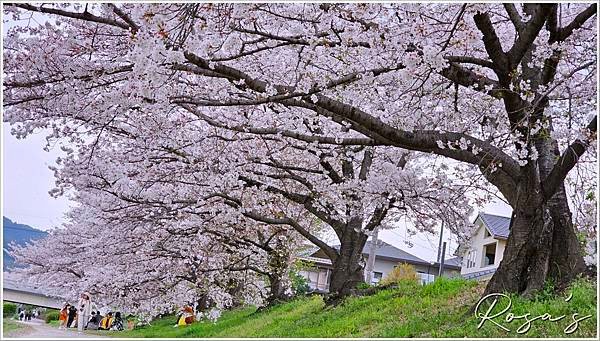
499	314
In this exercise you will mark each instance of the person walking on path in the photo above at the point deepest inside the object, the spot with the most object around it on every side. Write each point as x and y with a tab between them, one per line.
71	316
64	315
84	307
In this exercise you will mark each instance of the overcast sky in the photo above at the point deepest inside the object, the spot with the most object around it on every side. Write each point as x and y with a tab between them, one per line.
27	180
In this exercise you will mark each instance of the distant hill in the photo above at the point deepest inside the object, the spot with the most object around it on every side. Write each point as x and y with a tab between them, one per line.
18	233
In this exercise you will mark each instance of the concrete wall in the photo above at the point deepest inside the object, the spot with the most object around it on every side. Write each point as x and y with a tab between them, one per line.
386	266
478	242
17	296
383	266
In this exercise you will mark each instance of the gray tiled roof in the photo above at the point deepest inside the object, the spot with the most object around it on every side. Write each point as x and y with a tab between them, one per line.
451	263
479	274
308	251
386	250
499	226
454	261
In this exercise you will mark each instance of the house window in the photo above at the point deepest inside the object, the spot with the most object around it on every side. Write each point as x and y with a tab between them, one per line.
489	252
317	278
376	277
471	256
323	280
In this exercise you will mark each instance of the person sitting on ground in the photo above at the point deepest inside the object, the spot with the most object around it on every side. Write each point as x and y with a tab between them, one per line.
106	322
186	316
117	322
94	322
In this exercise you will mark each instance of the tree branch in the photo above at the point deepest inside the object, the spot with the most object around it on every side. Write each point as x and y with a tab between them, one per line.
492	43
568	160
558	34
87	16
514	16
528	34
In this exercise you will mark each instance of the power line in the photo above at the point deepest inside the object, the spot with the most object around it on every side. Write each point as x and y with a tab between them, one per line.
421	245
430	248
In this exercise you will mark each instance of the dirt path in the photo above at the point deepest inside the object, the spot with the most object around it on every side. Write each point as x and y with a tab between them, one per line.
38	329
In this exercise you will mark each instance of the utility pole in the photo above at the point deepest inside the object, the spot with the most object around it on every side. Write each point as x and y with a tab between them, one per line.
442	260
372	255
440	242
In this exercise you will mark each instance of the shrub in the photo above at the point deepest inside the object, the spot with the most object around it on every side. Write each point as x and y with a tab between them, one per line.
51	316
363	285
401	272
299	283
9	309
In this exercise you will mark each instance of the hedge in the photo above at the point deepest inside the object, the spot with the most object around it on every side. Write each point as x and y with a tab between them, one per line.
51	316
9	309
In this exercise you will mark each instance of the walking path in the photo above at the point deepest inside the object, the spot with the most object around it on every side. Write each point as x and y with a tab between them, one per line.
39	329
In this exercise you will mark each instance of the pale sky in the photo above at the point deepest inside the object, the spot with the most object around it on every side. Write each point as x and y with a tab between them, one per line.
27	180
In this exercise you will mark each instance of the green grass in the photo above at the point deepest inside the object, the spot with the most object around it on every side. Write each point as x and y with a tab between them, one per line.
440	309
12	328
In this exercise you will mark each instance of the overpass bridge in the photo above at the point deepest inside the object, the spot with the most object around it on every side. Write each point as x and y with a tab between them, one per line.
18	292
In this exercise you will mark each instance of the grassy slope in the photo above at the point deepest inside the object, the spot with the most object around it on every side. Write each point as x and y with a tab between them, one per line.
435	310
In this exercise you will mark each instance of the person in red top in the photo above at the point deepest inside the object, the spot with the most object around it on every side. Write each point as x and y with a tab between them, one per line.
63	316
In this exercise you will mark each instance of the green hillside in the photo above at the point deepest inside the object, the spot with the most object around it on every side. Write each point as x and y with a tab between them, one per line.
436	310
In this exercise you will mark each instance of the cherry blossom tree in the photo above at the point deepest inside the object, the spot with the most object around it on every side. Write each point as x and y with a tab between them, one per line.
507	91
153	271
250	179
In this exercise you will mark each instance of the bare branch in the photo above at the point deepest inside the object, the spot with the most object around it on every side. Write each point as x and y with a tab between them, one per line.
87	16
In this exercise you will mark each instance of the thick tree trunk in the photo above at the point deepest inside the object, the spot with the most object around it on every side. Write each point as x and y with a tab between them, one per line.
348	268
566	259
542	244
278	290
279	258
235	290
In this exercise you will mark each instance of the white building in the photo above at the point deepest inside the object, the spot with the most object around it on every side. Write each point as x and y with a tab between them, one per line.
386	257
482	257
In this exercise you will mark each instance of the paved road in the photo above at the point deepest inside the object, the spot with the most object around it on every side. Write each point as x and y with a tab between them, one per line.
39	329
